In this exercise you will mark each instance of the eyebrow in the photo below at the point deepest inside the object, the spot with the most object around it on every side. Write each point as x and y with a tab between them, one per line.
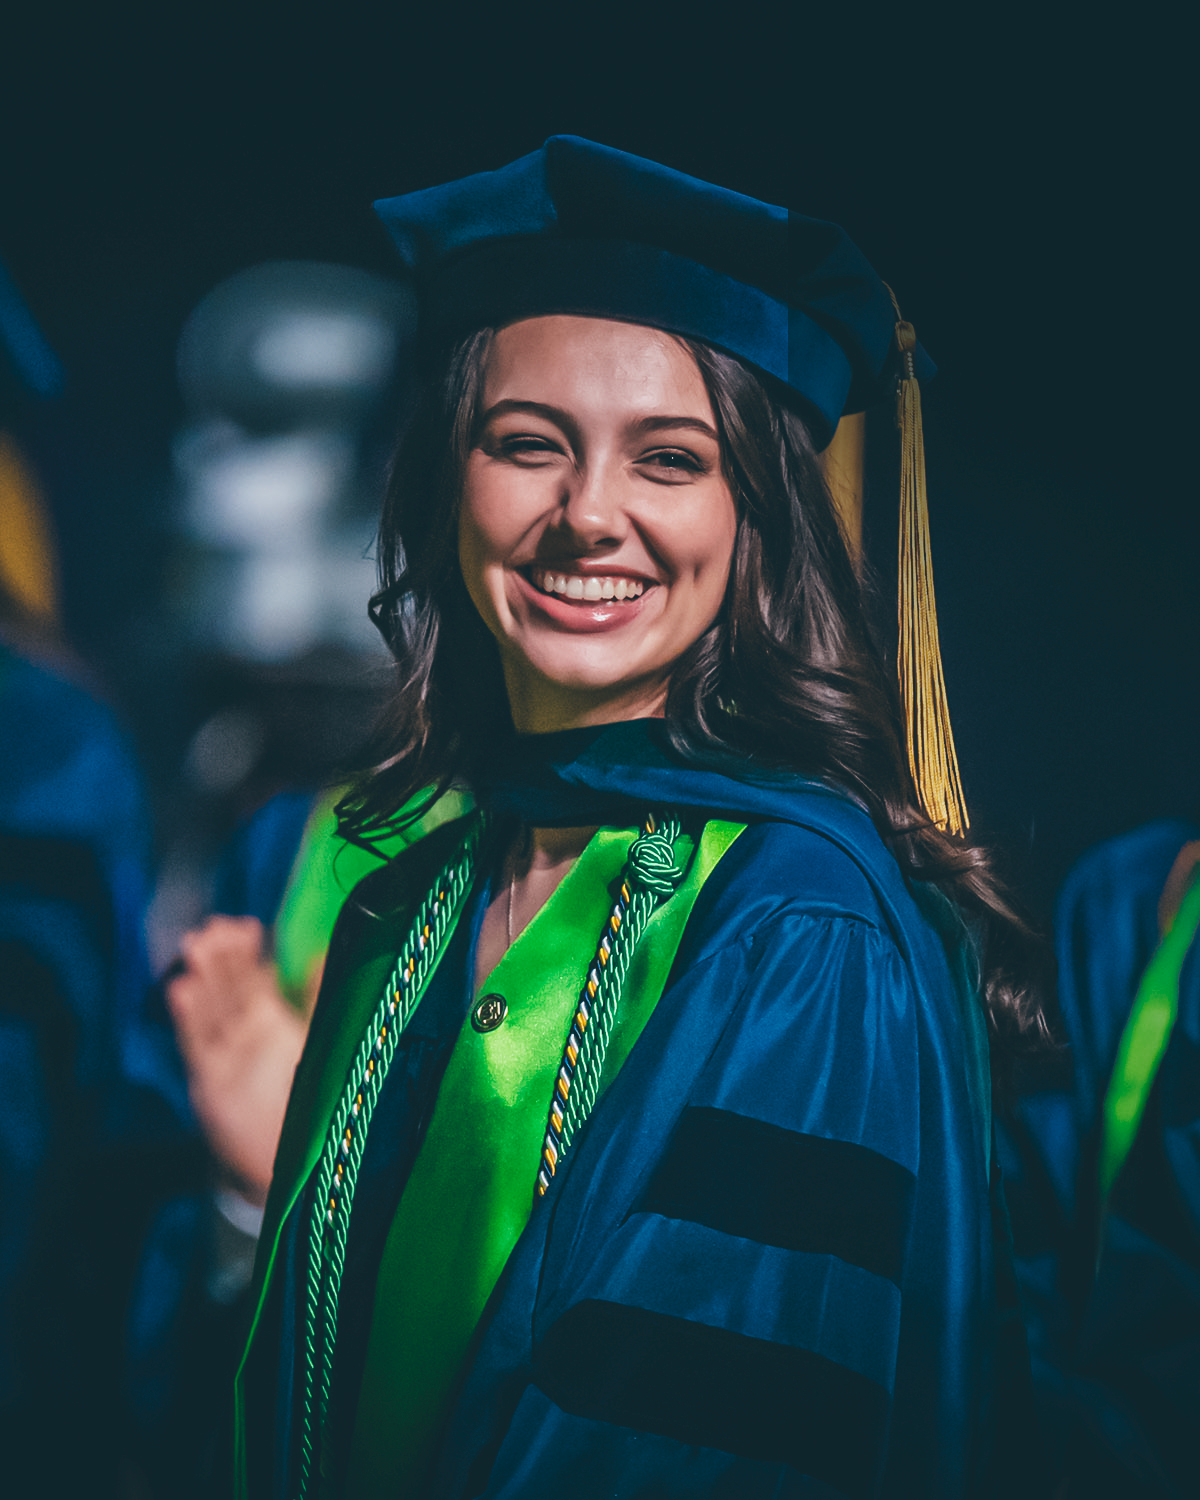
692	424
564	419
531	408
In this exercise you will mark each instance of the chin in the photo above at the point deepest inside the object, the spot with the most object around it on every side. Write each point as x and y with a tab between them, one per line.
586	676
592	685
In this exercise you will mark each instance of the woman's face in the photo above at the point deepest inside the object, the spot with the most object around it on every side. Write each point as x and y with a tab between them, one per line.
597	527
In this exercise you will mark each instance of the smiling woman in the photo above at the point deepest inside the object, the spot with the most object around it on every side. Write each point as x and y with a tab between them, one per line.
597	522
641	1144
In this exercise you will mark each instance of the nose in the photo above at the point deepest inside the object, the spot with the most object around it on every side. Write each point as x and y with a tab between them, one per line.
591	506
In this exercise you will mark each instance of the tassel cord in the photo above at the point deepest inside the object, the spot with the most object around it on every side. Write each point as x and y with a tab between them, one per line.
929	738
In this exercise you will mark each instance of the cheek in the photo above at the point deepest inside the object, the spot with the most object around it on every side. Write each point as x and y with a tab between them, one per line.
495	514
475	514
476	551
710	543
495	518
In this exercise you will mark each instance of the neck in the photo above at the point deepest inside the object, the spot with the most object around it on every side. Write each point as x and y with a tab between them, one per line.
545	849
538	706
539	859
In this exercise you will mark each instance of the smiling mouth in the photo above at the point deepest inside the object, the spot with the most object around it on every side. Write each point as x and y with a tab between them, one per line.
589	590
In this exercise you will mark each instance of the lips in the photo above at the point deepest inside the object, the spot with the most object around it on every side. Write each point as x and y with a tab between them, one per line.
587	588
584	603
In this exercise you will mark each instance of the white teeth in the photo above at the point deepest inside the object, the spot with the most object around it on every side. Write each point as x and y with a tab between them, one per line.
590	589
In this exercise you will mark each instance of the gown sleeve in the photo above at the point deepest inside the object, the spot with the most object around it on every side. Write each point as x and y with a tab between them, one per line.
777	1282
752	1301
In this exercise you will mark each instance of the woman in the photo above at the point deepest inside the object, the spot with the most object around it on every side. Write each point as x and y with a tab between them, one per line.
641	1141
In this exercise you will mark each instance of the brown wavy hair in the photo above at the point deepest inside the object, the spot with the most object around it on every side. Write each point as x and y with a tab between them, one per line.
789	674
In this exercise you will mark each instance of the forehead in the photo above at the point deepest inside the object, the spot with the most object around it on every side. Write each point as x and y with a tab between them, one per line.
595	363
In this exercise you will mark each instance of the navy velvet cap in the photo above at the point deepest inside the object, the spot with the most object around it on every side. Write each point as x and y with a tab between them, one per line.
580	228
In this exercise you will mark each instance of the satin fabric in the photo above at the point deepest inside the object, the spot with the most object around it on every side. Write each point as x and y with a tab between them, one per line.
324	872
771	1264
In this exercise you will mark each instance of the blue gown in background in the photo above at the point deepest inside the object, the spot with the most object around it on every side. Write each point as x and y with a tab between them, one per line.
775	1262
110	1318
74	821
254	869
1115	1344
92	1103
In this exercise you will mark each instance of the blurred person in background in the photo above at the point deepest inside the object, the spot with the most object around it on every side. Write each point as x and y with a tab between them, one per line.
93	1115
1104	1174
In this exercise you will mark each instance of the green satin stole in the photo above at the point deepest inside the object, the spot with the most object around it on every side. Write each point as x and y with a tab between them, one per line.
326	869
1144	1041
471	1189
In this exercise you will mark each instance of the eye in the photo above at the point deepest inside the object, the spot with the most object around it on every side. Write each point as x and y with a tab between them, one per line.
524	447
673	465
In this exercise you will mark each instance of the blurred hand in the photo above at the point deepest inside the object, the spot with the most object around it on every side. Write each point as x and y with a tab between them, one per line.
240	1041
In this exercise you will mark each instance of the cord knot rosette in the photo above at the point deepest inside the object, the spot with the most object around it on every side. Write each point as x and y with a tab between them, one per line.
651	866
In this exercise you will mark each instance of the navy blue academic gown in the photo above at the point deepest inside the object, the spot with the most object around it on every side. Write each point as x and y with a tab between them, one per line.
769	1265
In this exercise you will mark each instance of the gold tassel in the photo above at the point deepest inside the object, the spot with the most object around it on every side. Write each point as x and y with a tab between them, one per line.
931	754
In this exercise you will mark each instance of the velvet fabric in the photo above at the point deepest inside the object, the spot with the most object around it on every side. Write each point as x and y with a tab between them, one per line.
773	1263
577	227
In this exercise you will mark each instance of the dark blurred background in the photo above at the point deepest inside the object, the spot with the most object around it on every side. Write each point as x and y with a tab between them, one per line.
1017	175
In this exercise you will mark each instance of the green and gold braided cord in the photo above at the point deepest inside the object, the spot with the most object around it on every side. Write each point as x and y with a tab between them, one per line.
649	878
337	1169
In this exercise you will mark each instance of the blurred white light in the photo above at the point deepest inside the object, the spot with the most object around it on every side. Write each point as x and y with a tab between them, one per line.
325	349
254	492
275	611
